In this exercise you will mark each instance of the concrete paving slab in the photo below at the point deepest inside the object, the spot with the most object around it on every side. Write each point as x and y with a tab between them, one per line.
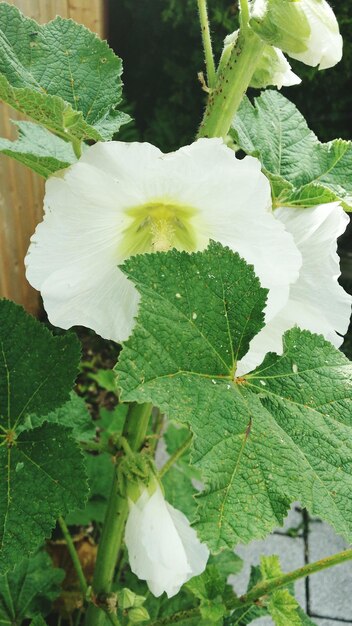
293	521
330	590
291	553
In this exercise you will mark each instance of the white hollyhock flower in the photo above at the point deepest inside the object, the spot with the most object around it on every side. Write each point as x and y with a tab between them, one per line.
163	549
306	30
316	302
120	199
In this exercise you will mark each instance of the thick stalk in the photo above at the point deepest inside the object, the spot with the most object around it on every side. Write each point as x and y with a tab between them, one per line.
206	38
112	534
231	85
264	588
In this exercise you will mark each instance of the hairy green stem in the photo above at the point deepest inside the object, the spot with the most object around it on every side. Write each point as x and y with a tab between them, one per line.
175	456
74	556
134	432
268	586
263	588
77	147
232	83
206	38
244	14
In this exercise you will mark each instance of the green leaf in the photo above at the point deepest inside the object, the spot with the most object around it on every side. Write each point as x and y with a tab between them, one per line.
60	75
73	414
246	615
270	567
227	562
279	434
39	149
42	468
100	469
177	481
38	620
29	589
105	379
283	609
275	131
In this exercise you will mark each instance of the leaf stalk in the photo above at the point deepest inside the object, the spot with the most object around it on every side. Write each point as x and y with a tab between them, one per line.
175	456
74	556
207	46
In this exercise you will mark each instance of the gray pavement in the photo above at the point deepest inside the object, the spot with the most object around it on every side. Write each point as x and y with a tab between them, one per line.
326	596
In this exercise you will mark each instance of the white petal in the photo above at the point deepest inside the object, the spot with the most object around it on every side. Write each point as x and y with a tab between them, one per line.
317	302
285	77
197	552
162	548
73	261
324	47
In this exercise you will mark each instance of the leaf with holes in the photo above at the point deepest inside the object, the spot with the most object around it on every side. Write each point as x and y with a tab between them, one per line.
42	468
61	75
279	434
303	171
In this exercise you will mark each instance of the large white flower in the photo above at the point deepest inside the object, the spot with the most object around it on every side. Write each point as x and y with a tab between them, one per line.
316	302
306	30
163	549
121	199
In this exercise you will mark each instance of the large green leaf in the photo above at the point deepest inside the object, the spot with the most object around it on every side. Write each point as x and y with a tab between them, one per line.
39	149
60	75
29	589
73	414
308	172
279	434
42	468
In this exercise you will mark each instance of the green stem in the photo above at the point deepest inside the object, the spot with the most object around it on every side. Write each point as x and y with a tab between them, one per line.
231	85
175	456
268	586
264	588
244	14
77	147
74	556
134	431
208	50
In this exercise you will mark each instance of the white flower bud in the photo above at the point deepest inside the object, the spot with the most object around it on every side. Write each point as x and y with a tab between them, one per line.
306	30
273	67
163	549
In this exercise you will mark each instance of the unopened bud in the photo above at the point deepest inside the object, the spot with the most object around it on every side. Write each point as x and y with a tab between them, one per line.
306	30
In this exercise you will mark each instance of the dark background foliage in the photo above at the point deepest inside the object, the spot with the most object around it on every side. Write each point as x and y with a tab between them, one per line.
159	42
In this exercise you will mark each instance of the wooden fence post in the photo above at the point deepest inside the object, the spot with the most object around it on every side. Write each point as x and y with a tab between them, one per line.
21	190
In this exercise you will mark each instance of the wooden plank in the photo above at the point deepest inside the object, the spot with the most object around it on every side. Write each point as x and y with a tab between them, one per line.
22	191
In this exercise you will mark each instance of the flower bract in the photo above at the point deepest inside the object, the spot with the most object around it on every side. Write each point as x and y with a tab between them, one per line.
122	199
306	30
163	549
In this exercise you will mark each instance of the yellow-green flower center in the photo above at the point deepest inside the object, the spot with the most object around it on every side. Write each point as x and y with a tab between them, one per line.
157	226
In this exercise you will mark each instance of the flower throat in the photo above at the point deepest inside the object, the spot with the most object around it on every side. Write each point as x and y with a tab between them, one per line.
158	226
